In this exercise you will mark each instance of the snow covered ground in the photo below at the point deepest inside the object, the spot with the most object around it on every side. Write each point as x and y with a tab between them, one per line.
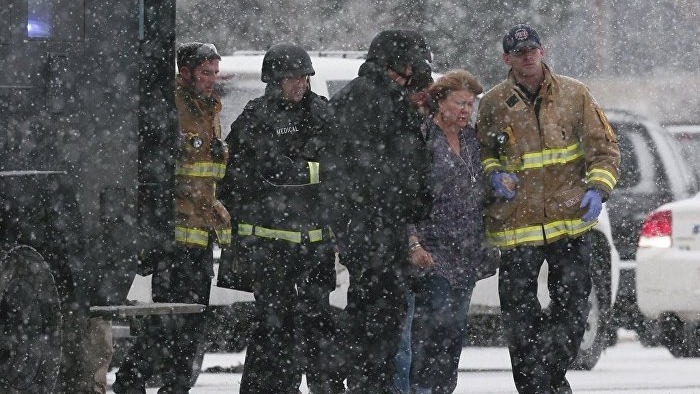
627	367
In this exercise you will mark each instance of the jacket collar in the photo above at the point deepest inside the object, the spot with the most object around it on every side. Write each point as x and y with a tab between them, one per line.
273	95
378	74
548	84
196	101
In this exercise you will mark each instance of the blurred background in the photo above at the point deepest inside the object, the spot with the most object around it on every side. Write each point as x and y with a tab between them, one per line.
641	56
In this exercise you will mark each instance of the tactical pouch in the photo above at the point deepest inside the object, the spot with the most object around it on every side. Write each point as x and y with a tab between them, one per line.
219	151
490	262
232	274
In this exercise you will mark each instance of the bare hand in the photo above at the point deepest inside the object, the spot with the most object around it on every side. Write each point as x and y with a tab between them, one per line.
421	258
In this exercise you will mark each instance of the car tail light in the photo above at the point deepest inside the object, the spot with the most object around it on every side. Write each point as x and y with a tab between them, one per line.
656	230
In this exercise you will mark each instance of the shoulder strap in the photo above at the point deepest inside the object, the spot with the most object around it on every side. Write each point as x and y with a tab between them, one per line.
425	129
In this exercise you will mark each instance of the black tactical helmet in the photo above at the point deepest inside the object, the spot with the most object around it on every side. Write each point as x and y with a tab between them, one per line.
422	71
396	48
424	51
192	54
285	61
422	76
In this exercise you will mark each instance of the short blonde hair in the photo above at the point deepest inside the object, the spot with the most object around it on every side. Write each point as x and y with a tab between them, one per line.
452	81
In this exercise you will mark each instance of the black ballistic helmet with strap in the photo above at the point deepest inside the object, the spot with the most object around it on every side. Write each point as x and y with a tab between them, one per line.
397	48
421	78
192	54
422	71
285	61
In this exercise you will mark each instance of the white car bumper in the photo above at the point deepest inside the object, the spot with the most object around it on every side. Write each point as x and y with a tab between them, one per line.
668	280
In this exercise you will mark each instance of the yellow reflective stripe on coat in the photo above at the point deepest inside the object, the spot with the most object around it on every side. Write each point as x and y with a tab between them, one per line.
490	163
538	234
191	236
291	236
313	172
602	176
201	169
224	236
547	157
199	237
565	228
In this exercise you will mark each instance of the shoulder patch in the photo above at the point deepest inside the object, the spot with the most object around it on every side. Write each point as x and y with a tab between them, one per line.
253	104
610	133
318	97
512	100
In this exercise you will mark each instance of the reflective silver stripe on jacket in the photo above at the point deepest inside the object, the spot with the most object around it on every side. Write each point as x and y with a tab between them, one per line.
315	235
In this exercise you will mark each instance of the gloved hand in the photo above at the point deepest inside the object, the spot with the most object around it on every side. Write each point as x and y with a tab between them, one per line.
594	201
504	184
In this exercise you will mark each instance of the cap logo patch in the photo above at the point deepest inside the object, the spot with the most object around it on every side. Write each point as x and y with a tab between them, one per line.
520	34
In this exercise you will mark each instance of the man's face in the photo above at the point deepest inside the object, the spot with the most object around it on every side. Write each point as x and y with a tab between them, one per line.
293	89
202	77
526	61
401	75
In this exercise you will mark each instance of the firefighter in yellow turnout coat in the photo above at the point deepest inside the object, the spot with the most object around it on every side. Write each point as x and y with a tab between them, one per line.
558	146
169	343
201	163
552	159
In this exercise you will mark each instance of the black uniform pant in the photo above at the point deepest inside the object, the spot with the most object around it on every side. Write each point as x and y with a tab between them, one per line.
294	321
544	343
373	318
169	343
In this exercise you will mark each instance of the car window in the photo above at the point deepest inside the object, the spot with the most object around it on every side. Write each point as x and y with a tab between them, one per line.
235	94
690	148
686	181
687	139
640	165
630	173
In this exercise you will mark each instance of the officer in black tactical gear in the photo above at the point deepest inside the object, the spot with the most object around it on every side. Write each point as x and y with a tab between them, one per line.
281	250
380	162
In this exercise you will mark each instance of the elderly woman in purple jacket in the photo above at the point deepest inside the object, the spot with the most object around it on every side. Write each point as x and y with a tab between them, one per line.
448	247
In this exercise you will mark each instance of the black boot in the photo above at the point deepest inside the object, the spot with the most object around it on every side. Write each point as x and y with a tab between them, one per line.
173	390
120	388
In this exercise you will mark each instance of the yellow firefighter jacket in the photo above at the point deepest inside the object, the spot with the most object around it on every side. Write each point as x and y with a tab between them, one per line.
559	145
201	162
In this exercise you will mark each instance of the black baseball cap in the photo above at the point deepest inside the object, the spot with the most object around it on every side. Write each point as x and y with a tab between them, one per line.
519	37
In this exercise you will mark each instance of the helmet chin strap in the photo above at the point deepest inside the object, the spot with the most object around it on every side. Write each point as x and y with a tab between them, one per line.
406	77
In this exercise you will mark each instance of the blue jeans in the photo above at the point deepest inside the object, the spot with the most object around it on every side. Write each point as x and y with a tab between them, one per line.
437	324
402	360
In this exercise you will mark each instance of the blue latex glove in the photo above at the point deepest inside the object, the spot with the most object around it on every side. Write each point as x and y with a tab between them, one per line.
504	184
594	201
